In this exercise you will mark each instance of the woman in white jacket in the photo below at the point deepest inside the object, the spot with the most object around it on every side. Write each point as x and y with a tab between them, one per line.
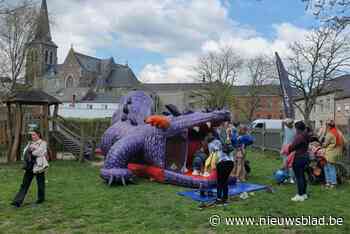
36	164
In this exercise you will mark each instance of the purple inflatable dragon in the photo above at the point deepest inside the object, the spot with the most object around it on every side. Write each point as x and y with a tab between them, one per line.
129	138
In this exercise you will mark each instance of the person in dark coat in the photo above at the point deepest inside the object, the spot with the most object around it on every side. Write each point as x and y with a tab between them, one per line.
300	145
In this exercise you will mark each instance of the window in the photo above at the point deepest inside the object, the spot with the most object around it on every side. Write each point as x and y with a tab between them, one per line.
46	56
328	104
347	107
89	106
51	57
338	108
69	82
321	106
269	104
269	116
106	107
260	105
259	125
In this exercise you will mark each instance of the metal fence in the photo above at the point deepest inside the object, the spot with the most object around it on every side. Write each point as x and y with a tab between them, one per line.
268	139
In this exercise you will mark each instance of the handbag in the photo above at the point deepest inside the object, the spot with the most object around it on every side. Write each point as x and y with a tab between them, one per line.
28	161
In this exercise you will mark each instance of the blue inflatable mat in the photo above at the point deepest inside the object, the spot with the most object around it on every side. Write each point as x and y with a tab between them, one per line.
233	191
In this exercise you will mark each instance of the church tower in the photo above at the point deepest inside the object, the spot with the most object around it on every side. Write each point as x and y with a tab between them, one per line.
41	54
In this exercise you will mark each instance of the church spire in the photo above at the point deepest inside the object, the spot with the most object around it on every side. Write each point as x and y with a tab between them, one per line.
43	26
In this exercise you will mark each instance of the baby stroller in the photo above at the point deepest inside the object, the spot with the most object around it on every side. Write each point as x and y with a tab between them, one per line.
317	161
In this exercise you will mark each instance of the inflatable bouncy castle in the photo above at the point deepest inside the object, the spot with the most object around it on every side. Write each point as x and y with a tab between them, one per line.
160	147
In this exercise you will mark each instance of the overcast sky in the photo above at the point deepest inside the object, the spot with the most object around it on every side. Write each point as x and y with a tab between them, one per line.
162	39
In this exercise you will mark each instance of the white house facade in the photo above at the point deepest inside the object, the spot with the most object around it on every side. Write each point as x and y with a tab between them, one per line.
323	110
87	110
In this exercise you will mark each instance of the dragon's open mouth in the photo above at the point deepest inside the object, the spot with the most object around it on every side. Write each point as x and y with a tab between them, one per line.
181	147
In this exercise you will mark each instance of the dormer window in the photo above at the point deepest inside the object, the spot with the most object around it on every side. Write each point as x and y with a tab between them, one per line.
69	82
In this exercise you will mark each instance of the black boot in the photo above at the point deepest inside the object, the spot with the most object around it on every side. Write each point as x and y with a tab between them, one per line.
15	204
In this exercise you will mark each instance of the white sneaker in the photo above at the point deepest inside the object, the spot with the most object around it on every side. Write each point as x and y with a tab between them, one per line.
305	196
206	174
298	198
291	181
195	172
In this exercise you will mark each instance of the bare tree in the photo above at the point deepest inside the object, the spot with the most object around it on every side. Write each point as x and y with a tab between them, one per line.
17	26
262	73
319	58
218	71
334	11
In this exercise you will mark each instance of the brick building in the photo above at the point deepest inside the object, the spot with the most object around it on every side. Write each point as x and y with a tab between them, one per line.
263	102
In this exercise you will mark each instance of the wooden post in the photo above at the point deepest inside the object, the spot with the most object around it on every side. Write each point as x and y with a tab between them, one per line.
46	136
21	115
46	122
82	144
9	132
54	128
55	114
41	127
17	137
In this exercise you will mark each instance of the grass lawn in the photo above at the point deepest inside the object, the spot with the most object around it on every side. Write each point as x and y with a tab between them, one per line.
79	202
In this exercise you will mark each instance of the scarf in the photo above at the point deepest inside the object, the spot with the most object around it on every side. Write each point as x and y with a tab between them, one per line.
338	137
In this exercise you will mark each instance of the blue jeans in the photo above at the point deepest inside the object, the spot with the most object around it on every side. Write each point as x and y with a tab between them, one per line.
330	173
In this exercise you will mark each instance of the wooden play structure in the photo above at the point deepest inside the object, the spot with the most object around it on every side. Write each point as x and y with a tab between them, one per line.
25	107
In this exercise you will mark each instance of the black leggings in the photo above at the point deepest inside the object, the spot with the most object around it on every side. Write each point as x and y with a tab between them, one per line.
223	169
27	180
300	165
